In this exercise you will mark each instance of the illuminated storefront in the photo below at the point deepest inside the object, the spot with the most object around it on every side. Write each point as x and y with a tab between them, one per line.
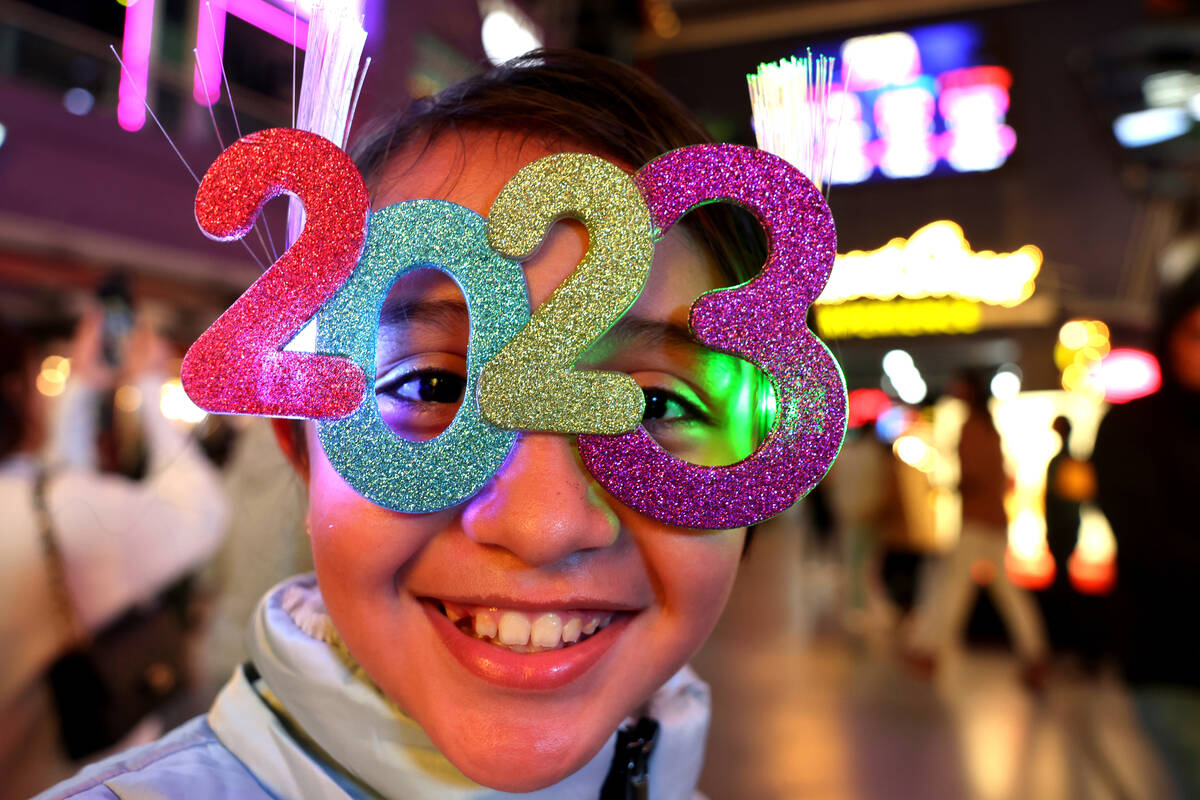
884	310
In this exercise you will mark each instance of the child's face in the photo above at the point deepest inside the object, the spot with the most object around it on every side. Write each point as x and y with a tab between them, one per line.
542	538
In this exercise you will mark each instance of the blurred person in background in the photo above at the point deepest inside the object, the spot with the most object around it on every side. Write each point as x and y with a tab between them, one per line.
1074	621
121	542
1147	460
981	547
1070	482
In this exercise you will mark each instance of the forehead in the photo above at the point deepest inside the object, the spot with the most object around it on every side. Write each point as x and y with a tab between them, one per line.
466	167
471	167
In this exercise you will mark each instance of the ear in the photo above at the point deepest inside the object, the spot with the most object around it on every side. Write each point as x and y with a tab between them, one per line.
290	435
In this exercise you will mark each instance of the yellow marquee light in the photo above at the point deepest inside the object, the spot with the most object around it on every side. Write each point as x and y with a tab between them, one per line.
871	318
936	261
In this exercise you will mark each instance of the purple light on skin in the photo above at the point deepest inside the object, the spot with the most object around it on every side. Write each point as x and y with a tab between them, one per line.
210	49
135	53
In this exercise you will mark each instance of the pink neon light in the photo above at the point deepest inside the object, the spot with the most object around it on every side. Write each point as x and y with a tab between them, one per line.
210	38
1126	374
135	53
973	102
210	48
272	19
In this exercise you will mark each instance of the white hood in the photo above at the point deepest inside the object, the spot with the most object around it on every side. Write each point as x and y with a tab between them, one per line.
319	729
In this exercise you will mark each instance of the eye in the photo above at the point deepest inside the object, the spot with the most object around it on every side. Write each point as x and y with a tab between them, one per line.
664	406
422	386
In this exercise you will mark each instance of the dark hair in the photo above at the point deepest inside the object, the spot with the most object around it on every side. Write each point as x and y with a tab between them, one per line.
563	98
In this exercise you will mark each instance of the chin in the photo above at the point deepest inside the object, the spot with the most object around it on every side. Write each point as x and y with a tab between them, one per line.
514	755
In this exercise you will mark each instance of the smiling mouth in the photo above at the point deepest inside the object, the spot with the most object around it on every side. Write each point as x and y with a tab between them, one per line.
522	631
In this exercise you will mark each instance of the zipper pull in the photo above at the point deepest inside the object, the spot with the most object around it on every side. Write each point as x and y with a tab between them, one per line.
629	776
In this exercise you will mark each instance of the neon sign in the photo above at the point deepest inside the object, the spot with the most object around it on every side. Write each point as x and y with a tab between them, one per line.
936	261
915	102
135	53
290	25
868	319
284	19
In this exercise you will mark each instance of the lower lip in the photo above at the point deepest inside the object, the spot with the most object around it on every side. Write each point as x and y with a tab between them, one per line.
544	671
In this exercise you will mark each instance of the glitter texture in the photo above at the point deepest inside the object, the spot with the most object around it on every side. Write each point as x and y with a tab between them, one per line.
762	321
387	470
237	366
532	384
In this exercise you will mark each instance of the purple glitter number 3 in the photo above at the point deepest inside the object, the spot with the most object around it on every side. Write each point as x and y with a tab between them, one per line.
238	365
762	321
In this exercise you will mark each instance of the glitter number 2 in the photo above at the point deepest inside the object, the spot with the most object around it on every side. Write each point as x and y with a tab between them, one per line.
762	321
531	384
238	365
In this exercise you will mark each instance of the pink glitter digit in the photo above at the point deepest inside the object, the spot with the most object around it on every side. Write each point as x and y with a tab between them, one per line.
238	366
761	321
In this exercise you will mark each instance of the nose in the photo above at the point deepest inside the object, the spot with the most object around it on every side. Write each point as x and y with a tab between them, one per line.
542	506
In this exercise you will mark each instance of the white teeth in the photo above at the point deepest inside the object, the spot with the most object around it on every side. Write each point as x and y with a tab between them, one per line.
514	628
524	631
546	630
485	624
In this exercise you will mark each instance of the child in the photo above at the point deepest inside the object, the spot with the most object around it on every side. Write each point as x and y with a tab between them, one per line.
501	643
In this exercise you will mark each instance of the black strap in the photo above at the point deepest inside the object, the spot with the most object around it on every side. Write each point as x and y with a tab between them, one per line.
629	776
54	561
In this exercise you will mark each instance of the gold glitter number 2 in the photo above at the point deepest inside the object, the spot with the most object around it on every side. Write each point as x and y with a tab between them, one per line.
531	384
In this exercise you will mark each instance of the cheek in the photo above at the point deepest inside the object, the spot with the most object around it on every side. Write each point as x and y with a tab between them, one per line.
693	574
359	549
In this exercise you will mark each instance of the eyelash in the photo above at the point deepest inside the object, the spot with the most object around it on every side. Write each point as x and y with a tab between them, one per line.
692	411
391	384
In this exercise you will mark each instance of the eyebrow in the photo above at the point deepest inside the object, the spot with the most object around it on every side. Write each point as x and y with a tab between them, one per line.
653	333
445	313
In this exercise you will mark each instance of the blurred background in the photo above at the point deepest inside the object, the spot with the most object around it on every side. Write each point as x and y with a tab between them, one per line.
1016	187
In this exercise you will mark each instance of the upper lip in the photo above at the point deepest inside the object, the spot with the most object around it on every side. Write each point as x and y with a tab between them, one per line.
541	604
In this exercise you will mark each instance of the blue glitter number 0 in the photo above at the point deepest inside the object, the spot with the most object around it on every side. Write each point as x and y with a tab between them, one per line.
389	471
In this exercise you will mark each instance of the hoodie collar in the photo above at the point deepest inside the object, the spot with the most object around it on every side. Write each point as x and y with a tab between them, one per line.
331	733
